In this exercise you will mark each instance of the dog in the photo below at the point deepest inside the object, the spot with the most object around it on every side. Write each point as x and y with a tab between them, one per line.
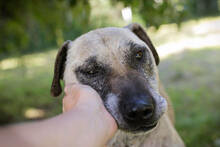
121	65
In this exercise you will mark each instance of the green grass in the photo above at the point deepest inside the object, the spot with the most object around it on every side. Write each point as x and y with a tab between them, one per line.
27	86
192	81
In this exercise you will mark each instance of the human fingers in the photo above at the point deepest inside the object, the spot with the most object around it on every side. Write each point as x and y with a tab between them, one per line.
78	94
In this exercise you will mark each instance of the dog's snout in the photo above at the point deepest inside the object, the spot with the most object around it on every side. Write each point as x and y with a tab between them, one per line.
140	110
137	102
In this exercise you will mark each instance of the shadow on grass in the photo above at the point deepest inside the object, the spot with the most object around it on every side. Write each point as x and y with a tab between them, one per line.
192	79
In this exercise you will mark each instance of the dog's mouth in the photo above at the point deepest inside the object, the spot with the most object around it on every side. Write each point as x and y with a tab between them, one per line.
143	128
146	128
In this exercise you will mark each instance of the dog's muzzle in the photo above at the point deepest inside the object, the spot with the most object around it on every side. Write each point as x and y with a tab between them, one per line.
138	111
136	105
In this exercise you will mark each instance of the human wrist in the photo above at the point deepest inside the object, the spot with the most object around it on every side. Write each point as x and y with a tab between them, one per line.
97	122
89	114
111	123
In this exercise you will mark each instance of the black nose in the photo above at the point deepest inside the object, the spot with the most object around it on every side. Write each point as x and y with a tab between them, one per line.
140	110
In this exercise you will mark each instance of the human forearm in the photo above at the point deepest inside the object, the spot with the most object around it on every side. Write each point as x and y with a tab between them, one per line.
72	128
85	123
46	133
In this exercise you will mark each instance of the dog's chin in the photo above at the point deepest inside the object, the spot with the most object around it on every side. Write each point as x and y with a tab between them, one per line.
141	129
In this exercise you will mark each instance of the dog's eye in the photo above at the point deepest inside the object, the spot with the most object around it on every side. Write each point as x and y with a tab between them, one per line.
91	71
139	55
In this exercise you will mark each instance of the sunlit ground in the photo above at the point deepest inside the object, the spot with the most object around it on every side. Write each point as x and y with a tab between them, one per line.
189	70
191	36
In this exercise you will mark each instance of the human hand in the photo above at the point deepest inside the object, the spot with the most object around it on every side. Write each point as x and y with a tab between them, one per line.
84	99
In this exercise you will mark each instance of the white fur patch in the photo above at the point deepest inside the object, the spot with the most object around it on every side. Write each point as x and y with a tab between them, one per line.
161	105
112	105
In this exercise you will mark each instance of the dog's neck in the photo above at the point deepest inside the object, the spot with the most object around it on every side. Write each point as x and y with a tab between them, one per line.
124	139
164	135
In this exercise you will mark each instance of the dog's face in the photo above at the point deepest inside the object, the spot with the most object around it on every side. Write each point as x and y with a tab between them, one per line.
120	64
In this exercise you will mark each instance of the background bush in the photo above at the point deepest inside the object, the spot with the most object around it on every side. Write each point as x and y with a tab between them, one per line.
32	25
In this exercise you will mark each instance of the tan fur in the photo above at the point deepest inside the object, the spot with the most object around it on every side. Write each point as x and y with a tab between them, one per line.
170	107
109	45
93	44
164	135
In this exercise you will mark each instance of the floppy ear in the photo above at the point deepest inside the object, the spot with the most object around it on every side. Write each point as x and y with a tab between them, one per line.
59	68
139	31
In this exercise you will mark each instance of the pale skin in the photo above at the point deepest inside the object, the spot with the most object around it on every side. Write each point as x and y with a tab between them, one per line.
85	123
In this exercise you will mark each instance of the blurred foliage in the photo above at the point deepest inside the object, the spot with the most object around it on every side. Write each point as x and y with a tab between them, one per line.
202	7
39	24
28	26
157	12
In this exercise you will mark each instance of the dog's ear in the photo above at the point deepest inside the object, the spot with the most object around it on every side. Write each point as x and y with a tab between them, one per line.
139	31
59	68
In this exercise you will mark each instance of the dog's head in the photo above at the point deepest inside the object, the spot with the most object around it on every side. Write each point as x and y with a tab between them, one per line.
121	65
